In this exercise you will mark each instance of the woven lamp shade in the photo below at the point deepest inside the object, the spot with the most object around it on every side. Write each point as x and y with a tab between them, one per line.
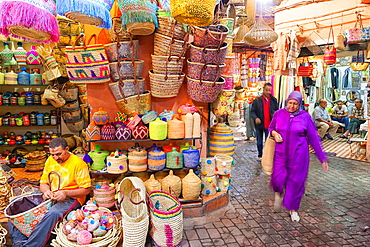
261	34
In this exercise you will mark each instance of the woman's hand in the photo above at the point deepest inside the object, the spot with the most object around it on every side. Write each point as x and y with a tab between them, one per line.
277	136
325	166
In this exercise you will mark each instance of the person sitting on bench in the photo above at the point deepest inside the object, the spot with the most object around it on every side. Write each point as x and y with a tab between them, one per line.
340	114
356	119
323	121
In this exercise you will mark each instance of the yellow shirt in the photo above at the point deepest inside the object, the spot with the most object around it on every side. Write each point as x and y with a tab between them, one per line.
73	173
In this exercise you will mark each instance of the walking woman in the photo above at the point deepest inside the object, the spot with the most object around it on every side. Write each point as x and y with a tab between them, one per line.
293	129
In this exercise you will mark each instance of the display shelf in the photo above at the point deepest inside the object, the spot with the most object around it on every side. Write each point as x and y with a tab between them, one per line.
23	85
24	145
130	172
25	106
28	126
145	140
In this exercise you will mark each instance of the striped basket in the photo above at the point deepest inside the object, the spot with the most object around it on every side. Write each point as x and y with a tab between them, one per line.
221	140
204	91
127	68
105	195
163	86
128	87
168	26
167	65
168	46
166	219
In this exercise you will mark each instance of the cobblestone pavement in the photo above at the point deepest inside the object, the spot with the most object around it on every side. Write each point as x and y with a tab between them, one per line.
334	210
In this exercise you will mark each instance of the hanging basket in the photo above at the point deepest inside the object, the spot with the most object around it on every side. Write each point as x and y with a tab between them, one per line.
204	91
261	34
168	46
163	86
129	87
167	65
207	72
168	26
208	55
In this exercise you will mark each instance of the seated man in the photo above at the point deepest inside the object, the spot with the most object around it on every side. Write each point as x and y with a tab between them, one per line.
356	119
324	122
74	185
340	114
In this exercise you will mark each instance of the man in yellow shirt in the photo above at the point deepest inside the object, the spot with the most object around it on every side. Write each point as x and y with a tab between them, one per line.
68	186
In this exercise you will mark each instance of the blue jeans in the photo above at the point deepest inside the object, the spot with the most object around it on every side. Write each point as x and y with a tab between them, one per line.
40	236
344	120
260	140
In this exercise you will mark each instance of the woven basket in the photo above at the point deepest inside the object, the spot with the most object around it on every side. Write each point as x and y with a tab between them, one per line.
167	46
208	55
69	94
126	69
207	72
209	185
35	165
137	160
204	91
71	106
5	193
163	86
129	88
168	26
27	220
166	219
29	33
167	65
76	126
172	184
152	184
191	186
140	28
84	18
71	116
224	164
3	233
135	104
212	36
124	50
105	196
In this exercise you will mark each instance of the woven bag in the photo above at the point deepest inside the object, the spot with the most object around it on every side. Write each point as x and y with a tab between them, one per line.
131	68
356	66
356	35
69	30
71	116
135	104
163	86
71	106
211	37
69	93
124	50
330	54
194	13
208	72
58	101
168	26
92	12
76	126
305	70
204	91
87	64
33	20
208	55
267	161
138	16
167	65
168	46
172	184
166	219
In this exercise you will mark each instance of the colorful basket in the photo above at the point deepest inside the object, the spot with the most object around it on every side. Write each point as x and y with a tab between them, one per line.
33	208
128	87
207	72
105	195
221	140
204	91
126	50
167	65
168	46
166	219
163	86
208	55
168	26
211	36
126	68
87	64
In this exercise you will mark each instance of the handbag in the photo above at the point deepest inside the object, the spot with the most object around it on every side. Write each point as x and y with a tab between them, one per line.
356	66
305	70
135	104
330	54
267	161
340	42
50	93
88	63
355	34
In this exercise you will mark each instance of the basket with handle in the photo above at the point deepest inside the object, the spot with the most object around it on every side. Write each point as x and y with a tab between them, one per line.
212	36
167	45
165	86
204	91
132	204
166	219
208	72
167	26
171	65
26	211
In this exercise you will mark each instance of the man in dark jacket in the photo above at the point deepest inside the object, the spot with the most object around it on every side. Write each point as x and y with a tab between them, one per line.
262	110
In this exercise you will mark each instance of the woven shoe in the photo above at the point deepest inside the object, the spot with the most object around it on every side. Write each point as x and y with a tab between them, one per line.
294	216
277	202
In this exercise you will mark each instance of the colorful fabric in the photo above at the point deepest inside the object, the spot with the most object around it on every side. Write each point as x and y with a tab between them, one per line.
138	11
73	173
358	113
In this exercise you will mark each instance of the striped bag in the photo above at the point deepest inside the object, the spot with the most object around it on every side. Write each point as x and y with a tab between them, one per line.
330	54
87	64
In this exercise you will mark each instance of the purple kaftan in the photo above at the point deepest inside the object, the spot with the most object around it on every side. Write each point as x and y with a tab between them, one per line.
291	157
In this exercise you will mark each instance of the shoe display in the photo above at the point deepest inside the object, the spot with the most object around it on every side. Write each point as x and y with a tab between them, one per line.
277	202
329	137
294	216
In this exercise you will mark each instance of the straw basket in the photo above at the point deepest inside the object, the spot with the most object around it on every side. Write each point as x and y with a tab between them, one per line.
212	36
84	18
105	196
76	126
166	219
33	208
3	233
223	183
71	116
129	87
69	94
204	91
135	220
167	65
208	72
168	46
110	239
191	186
152	184
172	184
124	50
140	28
208	55
169	26
221	140
71	106
224	164
209	185
208	166
127	69
135	103
5	193
163	86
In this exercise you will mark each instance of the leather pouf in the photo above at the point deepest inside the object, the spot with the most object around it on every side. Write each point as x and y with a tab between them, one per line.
123	133
140	132
108	132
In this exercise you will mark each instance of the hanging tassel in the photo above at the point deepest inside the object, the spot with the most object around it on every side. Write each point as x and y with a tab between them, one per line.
95	8
138	11
16	13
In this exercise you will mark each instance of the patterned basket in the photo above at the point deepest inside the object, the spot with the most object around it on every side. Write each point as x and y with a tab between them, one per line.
35	165
105	195
69	94
135	104
211	36
207	72
168	26
163	86
166	219
204	91
168	46
124	50
31	214
128	87
71	116
76	126
208	55
71	106
167	65
127	68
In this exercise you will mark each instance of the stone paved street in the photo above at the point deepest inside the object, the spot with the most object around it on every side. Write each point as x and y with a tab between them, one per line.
334	210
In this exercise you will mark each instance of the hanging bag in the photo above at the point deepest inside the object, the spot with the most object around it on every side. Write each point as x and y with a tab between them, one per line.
340	41
356	66
355	34
330	54
305	69
88	63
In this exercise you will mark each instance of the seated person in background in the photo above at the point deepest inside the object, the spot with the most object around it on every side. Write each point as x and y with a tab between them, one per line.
340	114
74	185
324	122
356	118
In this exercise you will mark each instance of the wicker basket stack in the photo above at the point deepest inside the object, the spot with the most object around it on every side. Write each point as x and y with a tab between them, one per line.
35	161
170	46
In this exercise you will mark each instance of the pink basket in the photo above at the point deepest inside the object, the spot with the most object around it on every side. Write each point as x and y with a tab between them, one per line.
204	91
211	36
229	82
208	55
207	72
